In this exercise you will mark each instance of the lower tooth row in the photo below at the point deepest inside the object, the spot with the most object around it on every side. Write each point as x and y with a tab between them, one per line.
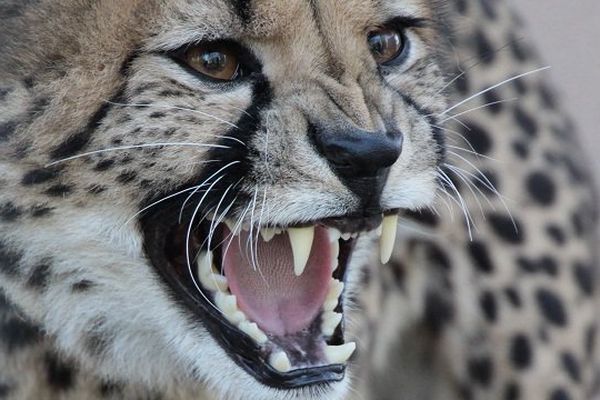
224	301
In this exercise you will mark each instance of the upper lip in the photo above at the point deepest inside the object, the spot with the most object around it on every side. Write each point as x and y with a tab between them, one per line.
241	347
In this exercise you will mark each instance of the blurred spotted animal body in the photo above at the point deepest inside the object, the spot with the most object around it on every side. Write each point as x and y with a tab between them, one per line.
197	197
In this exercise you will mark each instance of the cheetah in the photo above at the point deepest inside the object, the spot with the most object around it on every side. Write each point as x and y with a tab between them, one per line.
310	199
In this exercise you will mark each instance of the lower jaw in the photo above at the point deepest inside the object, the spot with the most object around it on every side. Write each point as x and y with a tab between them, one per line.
310	364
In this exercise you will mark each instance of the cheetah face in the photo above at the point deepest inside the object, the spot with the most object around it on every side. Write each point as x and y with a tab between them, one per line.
252	148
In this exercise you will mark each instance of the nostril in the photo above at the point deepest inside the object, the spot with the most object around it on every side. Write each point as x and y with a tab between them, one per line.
359	152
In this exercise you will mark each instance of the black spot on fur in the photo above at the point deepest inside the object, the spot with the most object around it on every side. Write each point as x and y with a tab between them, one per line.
16	333
571	366
505	229
489	306
547	97
493	101
481	257
551	307
559	394
487	181
96	189
521	150
526	122
512	392
82	286
157	115
9	261
477	137
59	375
4	92
556	234
243	9
110	389
541	188
104	165
38	105
9	212
520	352
59	190
481	370
97	341
40	211
5	390
438	312
590	340
513	296
585	278
483	47
39	276
7	129
127	177
38	176
488	7
436	255
518	49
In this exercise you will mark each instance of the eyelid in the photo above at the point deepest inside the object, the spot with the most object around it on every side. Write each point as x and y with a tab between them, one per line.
406	21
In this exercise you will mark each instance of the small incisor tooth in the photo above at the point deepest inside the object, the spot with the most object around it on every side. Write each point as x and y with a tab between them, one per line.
252	330
214	282
226	302
389	228
301	240
339	354
268	234
330	321
280	361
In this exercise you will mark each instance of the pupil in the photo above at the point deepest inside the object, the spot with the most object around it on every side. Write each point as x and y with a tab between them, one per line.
214	60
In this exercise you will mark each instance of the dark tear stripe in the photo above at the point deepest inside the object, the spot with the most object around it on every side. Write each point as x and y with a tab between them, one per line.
80	140
247	127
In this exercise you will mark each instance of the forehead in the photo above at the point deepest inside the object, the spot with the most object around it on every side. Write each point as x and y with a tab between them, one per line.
188	21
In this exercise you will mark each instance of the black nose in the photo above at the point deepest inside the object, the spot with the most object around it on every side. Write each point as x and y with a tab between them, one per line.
355	152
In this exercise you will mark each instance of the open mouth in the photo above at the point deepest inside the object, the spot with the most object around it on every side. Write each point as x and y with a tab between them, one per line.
271	296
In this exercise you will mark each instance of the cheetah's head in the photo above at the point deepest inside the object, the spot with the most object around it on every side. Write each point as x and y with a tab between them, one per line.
203	174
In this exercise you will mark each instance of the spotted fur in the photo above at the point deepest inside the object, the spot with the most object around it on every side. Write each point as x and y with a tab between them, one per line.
499	307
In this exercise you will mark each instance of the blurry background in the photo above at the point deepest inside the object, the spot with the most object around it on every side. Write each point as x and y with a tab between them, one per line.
567	34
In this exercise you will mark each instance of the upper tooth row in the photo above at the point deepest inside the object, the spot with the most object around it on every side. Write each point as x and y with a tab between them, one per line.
301	240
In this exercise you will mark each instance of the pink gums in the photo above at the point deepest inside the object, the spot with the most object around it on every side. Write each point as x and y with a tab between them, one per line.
268	291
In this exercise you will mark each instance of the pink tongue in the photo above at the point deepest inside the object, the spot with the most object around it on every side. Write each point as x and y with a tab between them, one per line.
268	291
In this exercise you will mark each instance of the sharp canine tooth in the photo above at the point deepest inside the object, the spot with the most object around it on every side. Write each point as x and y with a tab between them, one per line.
330	321
252	330
346	236
334	234
268	234
214	282
280	361
339	354
388	237
301	240
226	302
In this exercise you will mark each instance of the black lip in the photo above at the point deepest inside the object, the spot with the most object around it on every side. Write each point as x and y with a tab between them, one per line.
246	354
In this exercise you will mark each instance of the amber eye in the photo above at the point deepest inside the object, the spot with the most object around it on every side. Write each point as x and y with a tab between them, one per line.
386	44
215	61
